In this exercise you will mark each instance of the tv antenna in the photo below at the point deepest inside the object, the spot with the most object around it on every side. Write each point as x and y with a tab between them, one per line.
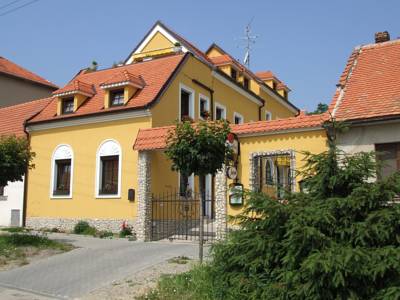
249	39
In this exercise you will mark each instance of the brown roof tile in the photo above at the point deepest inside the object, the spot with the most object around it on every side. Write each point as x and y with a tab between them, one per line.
12	118
154	72
10	68
370	83
155	138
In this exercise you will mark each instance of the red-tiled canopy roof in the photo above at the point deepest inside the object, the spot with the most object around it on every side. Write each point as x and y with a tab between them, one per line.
122	77
370	83
76	86
12	118
155	73
264	75
10	68
155	138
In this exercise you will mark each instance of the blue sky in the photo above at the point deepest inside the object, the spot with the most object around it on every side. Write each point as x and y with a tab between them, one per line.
306	43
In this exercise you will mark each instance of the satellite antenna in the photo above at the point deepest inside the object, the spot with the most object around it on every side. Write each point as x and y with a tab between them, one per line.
250	40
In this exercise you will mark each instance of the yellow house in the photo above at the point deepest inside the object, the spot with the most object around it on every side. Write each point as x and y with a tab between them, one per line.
85	164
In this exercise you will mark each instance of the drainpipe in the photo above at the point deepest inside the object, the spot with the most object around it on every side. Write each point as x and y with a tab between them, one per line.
24	201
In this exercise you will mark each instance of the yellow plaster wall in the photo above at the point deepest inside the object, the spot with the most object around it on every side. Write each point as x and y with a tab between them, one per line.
84	141
277	109
313	141
167	109
159	41
214	52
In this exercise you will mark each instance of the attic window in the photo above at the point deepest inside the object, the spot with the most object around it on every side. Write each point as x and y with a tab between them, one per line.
233	74
67	106
285	94
274	85
116	98
246	83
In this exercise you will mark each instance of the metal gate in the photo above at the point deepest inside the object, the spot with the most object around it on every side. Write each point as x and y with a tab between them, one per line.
176	217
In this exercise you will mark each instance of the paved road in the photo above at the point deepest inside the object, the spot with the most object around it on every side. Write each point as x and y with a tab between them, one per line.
96	263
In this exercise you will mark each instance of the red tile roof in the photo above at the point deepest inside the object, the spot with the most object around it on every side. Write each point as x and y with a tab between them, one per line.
155	138
155	73
124	77
222	60
76	86
370	84
264	75
10	68
12	118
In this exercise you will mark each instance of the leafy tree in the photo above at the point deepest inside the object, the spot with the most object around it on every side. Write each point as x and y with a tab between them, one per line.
340	240
15	157
321	108
198	149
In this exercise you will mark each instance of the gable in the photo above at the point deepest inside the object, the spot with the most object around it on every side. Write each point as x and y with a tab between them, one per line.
214	52
157	42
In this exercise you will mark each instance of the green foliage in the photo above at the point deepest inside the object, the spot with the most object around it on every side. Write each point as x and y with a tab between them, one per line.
105	234
321	108
15	157
83	227
126	231
200	149
340	240
13	229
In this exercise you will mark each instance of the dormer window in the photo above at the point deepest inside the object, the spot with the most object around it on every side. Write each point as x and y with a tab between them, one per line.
274	85
116	98
68	106
246	83
233	74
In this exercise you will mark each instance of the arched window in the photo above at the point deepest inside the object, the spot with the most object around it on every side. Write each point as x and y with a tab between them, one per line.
62	166
269	172
108	170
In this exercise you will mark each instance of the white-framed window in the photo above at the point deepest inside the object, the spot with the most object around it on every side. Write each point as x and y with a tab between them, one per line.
268	116
204	106
62	172
219	111
108	170
238	118
186	102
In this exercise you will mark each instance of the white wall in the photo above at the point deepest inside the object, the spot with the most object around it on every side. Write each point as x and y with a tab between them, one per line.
13	199
364	138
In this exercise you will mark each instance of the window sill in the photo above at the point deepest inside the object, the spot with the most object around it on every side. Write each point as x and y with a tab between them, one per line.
108	196
60	197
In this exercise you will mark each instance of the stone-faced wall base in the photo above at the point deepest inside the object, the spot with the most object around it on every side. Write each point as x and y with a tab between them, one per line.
113	225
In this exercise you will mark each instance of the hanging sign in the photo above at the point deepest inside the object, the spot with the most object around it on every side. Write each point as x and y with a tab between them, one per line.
233	142
236	194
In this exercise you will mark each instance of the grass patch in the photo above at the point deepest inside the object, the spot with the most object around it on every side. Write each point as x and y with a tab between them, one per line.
17	247
14	229
194	285
180	260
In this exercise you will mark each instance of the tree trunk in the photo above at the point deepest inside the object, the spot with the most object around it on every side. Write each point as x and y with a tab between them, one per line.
202	181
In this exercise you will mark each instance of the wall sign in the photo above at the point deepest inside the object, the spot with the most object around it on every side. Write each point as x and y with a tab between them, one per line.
231	172
236	194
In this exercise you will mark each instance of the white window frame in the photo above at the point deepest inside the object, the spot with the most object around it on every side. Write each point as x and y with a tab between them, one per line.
236	114
114	148
219	105
191	100
268	116
207	99
61	152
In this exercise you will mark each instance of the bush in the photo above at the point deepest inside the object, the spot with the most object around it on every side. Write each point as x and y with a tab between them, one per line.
126	230
341	240
13	229
105	234
83	227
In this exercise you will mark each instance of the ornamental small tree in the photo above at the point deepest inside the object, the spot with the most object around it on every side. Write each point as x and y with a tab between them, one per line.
198	149
15	158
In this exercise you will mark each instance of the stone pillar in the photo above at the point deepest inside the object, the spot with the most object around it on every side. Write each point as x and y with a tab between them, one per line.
221	210
144	222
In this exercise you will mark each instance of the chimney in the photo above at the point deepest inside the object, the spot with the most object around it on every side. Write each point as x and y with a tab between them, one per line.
381	37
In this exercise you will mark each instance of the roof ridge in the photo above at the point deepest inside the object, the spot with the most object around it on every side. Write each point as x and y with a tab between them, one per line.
379	45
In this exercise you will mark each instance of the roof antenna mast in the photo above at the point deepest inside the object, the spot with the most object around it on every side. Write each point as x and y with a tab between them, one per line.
250	40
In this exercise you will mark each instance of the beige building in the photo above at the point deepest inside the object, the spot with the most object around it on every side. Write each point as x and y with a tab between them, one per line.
18	85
